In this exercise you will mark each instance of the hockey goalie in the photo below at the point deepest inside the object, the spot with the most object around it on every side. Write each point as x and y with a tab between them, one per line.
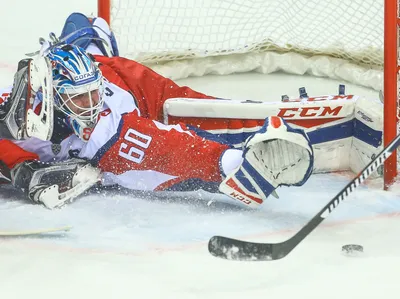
78	115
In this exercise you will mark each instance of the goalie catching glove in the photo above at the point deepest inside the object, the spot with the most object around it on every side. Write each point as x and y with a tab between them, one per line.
274	156
54	184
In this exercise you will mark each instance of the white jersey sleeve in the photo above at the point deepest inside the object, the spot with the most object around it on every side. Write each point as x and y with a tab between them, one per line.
117	102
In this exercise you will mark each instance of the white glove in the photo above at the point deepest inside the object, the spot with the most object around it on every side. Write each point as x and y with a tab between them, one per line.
276	155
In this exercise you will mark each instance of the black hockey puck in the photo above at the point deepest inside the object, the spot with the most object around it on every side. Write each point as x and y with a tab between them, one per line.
352	249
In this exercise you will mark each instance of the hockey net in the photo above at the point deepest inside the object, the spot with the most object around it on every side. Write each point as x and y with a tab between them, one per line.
338	39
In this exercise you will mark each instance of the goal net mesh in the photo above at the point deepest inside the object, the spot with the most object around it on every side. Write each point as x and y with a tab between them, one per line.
156	31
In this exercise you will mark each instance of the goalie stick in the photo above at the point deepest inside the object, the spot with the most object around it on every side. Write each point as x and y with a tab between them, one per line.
233	249
18	233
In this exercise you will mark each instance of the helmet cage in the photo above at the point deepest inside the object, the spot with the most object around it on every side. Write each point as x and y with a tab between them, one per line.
82	103
78	85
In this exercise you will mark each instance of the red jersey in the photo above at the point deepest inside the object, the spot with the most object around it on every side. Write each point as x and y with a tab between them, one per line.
129	143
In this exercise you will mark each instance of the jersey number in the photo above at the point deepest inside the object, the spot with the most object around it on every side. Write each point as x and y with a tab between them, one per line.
108	92
132	150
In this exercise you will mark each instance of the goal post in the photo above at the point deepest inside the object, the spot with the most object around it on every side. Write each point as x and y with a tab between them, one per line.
349	40
103	10
391	88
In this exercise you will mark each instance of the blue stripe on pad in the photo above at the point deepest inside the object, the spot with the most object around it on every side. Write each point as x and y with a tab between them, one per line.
264	185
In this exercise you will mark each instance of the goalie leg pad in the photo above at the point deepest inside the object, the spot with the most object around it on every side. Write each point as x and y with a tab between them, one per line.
32	85
13	109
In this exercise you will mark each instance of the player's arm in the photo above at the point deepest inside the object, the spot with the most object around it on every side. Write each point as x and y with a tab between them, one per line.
148	155
149	88
51	184
11	154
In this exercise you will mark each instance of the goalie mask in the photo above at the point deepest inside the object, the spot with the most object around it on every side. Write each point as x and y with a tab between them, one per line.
78	86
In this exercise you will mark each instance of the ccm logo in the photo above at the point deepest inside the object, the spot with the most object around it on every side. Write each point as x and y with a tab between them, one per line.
240	197
309	111
83	76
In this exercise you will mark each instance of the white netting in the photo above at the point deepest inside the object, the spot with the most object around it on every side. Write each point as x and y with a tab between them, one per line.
156	31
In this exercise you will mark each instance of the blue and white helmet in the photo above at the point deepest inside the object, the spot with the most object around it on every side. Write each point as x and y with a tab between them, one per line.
78	85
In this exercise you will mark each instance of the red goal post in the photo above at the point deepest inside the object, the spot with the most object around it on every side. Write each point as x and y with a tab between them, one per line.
391	88
359	37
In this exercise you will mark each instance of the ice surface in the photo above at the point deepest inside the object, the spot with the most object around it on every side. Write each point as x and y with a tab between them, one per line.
134	246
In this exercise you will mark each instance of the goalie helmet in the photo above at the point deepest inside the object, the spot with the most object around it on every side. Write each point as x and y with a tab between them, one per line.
78	88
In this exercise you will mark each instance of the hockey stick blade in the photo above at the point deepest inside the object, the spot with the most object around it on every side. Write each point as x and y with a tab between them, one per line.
233	249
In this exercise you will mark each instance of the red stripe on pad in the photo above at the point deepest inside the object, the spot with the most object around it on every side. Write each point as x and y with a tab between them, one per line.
231	183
